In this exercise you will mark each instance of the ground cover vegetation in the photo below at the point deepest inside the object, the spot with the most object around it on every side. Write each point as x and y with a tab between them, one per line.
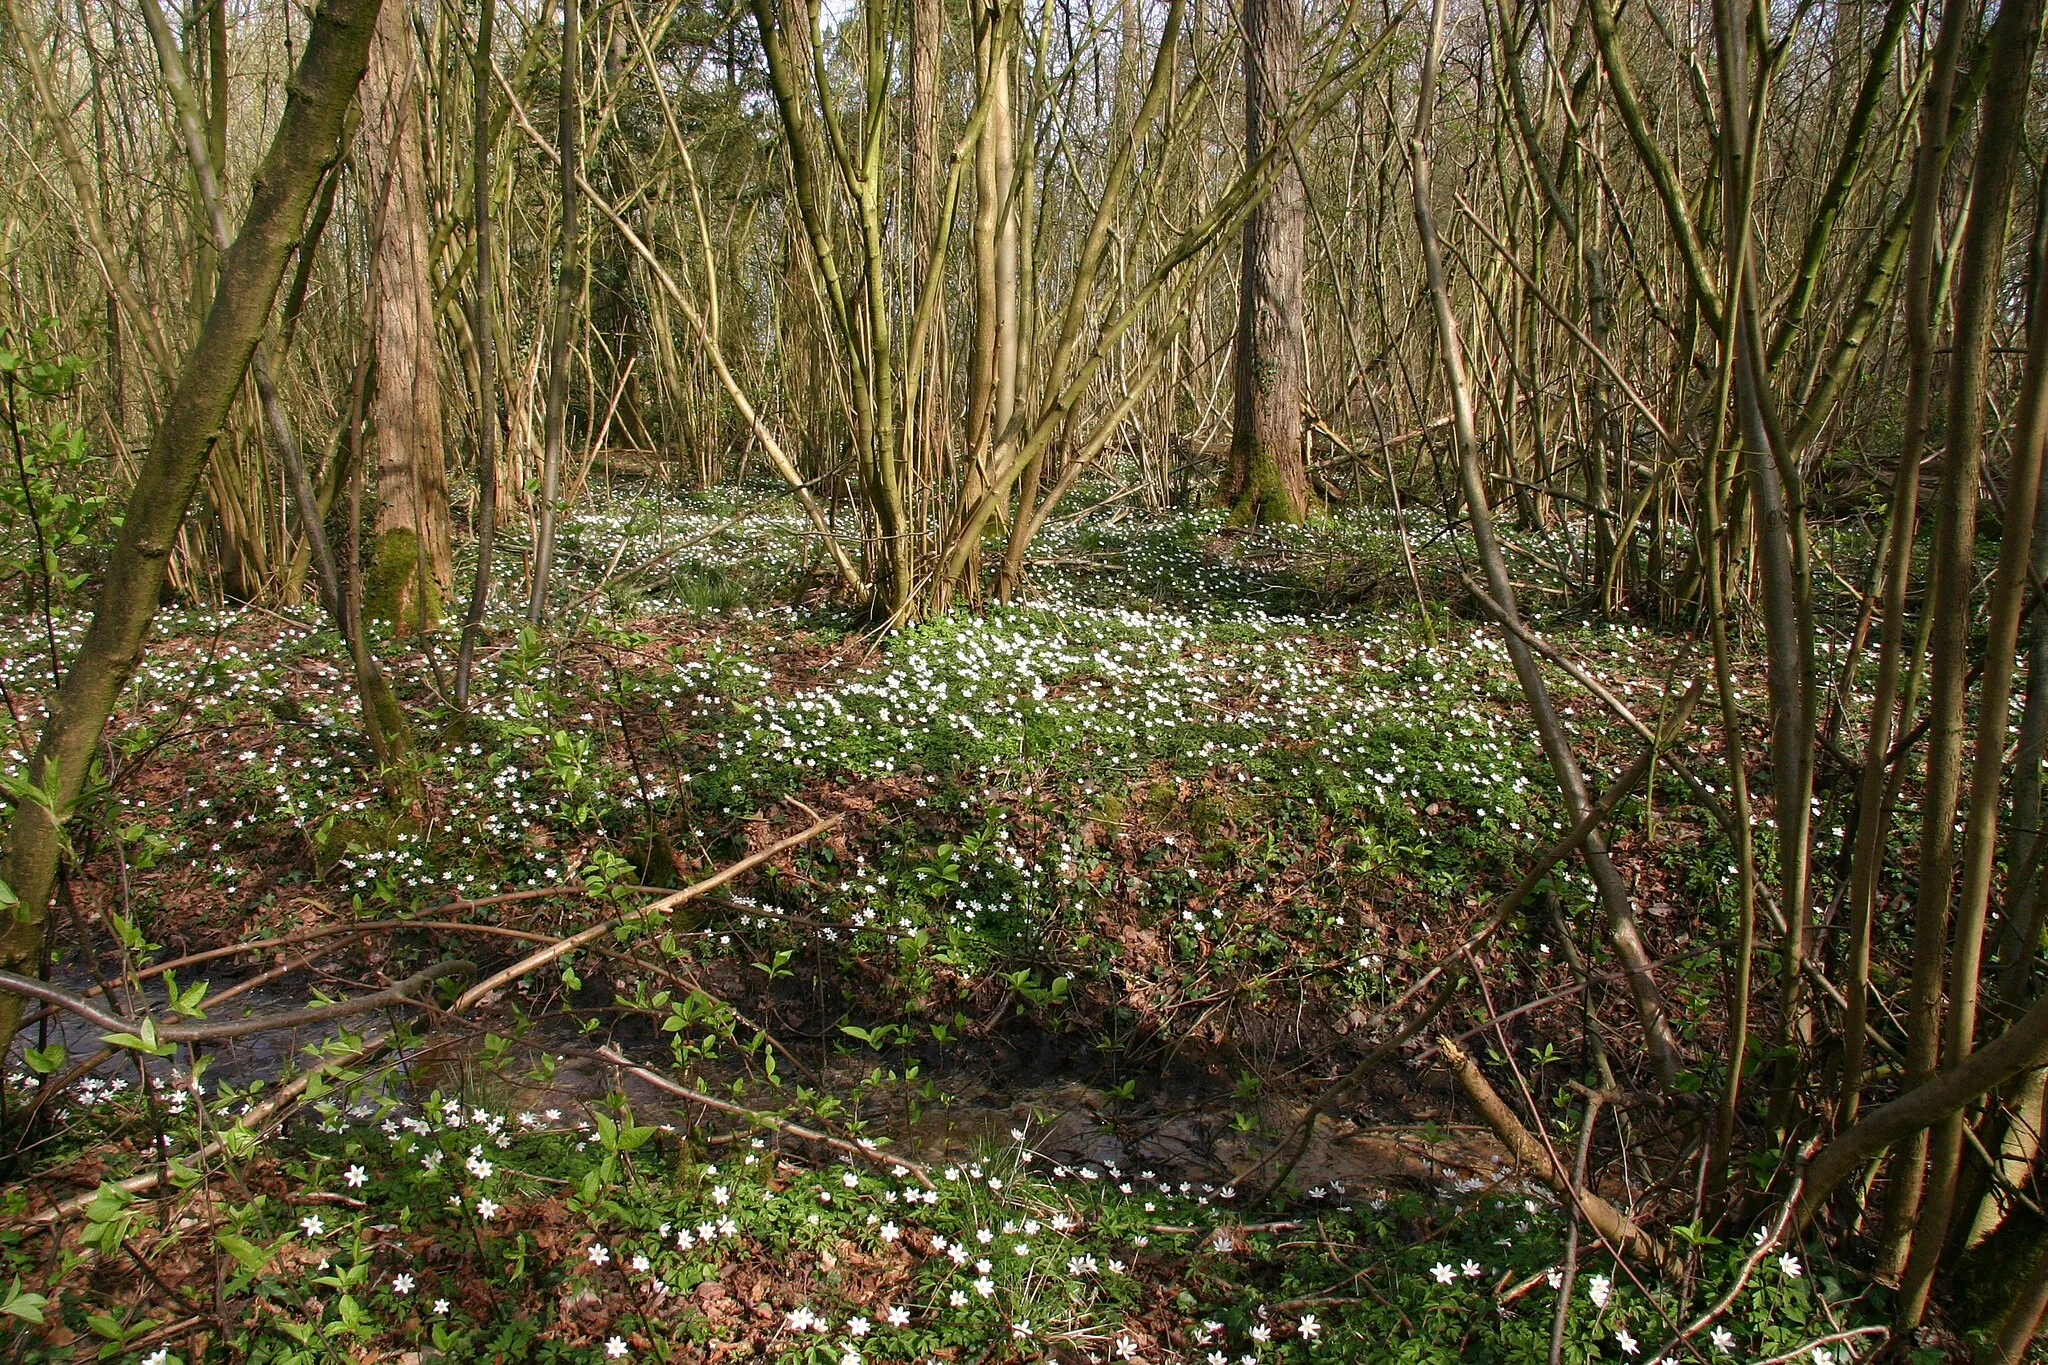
1155	682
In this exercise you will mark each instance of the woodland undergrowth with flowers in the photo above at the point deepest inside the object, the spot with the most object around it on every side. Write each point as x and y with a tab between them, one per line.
1163	831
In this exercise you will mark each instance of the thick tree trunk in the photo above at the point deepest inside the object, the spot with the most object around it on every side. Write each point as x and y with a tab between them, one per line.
307	138
410	569
1268	476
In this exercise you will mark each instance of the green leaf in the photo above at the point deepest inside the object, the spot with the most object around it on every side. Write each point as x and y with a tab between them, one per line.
246	1253
147	1043
107	1218
131	937
108	1326
21	789
186	1002
21	1304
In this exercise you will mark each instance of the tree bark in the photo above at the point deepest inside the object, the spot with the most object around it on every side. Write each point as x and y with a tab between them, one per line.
990	194
409	565
927	422
1902	1191
1268	474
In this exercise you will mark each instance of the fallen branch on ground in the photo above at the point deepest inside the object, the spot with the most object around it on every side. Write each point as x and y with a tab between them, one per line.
236	1028
1610	1222
555	951
872	1155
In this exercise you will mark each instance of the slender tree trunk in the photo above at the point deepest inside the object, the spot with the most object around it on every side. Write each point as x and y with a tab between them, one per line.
1622	929
1010	351
1603	448
984	363
204	32
2019	940
217	88
2001	140
554	429
410	559
1779	526
1002	130
1902	1191
1873	821
1268	479
927	441
992	370
485	341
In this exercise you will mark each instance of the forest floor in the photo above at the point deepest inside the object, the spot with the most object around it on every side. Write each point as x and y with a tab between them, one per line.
1112	881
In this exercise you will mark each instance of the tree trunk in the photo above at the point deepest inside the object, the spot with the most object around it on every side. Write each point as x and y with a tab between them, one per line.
554	430
1902	1190
306	141
927	27
1981	279
1623	932
409	568
992	371
1268	476
990	191
481	305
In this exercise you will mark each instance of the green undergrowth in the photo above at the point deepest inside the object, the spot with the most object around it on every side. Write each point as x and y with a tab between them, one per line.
1161	746
453	1230
1191	785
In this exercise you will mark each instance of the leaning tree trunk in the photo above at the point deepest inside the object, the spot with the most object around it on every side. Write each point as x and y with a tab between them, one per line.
307	138
1268	476
410	569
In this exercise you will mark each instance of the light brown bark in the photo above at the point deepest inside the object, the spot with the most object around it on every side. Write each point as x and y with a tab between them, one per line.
410	569
927	26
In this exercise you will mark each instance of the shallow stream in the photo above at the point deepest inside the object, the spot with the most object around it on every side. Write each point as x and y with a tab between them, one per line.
1209	1137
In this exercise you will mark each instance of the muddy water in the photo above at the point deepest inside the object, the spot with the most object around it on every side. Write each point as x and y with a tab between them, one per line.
1205	1137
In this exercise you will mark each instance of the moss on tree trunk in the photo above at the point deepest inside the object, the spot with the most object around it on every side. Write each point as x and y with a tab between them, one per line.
1265	499
395	592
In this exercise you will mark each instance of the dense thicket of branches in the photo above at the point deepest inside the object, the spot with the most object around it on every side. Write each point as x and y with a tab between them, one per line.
1679	292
